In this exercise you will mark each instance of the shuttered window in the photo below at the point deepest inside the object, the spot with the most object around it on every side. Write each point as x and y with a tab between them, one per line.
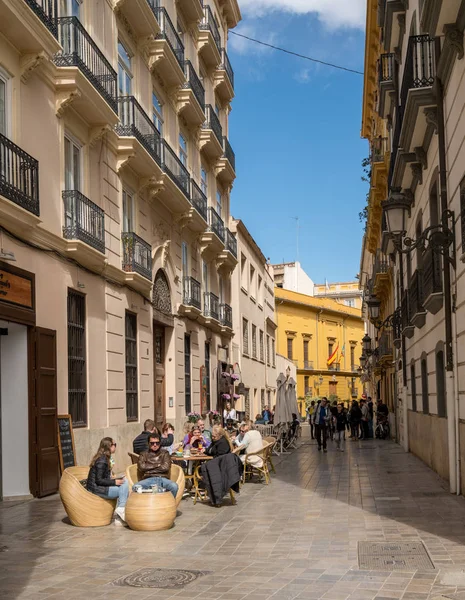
77	380
132	405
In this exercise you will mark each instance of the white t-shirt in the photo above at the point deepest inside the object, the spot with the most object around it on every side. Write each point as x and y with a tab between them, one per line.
229	414
253	442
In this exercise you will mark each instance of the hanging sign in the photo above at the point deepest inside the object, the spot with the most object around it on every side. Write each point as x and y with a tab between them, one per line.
16	289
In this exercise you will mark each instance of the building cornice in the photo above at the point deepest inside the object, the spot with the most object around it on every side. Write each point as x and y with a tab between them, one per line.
370	74
319	309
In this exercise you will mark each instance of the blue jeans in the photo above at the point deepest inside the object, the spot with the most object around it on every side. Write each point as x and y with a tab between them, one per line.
162	482
119	491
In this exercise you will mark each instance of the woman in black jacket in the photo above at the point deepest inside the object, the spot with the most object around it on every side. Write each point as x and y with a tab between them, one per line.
220	442
100	480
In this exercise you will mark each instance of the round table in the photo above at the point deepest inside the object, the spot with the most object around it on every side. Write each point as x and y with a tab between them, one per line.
192	459
150	512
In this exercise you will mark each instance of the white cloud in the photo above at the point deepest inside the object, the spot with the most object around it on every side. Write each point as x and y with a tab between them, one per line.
243	46
333	13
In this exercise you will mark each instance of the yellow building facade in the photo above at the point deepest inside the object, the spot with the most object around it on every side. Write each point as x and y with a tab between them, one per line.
310	331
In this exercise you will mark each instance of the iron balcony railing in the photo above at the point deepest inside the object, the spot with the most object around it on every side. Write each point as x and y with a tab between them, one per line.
211	305
199	200
308	365
137	255
395	144
385	347
378	149
334	367
84	220
226	315
175	169
420	65
228	152
47	11
381	265
405	310
80	50
212	122
417	293
387	68
191	292
193	82
432	273
209	23
169	33
134	121
216	223
19	176
226	66
230	242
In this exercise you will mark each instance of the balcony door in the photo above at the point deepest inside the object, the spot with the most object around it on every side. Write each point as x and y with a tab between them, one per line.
73	178
124	71
159	374
69	8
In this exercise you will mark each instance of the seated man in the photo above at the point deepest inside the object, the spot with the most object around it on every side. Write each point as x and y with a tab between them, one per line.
154	466
207	435
141	442
251	442
230	429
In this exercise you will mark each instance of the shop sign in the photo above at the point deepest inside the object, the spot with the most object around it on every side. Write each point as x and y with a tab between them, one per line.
16	289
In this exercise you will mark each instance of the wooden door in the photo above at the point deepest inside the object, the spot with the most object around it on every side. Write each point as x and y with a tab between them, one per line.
333	388
44	467
159	374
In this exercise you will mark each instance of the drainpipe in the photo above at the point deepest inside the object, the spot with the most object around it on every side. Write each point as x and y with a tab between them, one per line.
456	398
450	382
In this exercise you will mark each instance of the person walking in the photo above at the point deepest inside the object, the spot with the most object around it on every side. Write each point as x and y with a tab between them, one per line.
322	416
370	418
340	423
355	419
365	417
310	411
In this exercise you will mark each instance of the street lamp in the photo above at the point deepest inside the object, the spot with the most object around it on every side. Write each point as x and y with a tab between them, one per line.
374	306
397	211
363	360
366	344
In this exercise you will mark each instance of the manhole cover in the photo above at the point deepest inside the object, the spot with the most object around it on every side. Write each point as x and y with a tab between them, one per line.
159	578
393	556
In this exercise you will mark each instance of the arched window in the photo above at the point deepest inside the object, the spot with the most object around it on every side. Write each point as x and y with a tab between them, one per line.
413	385
424	384
441	381
161	297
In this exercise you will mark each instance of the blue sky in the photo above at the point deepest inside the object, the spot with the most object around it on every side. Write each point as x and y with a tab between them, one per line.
295	129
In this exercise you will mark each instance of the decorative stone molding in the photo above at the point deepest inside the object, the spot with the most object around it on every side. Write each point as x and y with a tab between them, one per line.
97	133
421	156
417	172
431	115
454	37
152	186
183	219
165	253
123	160
64	99
308	336
290	333
29	63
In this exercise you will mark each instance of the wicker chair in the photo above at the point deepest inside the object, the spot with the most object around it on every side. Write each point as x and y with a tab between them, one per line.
176	475
272	441
83	508
134	457
250	468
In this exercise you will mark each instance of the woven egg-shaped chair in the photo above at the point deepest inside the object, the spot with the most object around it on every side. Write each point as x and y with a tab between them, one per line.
83	508
176	475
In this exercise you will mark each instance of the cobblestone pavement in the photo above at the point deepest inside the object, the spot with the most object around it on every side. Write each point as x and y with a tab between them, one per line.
296	538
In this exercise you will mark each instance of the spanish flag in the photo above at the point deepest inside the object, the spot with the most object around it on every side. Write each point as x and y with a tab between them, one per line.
333	356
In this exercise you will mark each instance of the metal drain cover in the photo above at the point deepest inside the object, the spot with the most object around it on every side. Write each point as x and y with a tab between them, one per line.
393	556
159	578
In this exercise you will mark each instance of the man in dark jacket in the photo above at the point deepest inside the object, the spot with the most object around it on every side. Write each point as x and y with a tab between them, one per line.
141	442
154	467
221	474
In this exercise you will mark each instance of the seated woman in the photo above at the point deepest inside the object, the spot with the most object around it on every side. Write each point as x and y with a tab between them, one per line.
168	435
220	442
194	439
100	480
230	429
259	420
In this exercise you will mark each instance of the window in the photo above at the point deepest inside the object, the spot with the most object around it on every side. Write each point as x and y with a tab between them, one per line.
187	373
207	374
352	358
204	181
132	412
330	348
185	259
180	30
441	384
434	205
128	211
217	110
424	384
157	113
350	302
267	349
205	276
305	354
244	272
4	103
219	203
273	351
77	380
306	384
183	149
245	336
262	346
254	341
413	383
70	8
289	348
72	165
252	282
260	291
221	288
124	71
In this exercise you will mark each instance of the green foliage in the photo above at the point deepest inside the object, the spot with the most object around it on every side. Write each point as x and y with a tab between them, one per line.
366	176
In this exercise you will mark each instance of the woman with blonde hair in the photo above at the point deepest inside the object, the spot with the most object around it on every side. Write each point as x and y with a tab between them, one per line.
221	443
100	481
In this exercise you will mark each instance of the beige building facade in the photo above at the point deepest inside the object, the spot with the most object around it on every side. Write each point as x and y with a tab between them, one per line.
116	261
413	113
254	344
345	292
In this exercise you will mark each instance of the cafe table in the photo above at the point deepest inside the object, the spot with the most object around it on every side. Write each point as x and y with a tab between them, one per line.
195	460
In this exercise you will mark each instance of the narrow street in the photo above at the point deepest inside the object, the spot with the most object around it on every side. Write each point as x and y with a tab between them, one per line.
296	538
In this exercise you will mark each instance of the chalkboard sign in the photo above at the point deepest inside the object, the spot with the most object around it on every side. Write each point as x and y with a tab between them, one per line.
66	442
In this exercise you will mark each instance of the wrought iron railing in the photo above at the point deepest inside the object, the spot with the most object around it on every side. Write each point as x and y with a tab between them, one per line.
134	121
175	169
226	315
308	365
228	152
226	66
378	149
47	12
216	223
199	200
420	65
19	176
193	82
80	50
191	292
169	33
209	23
395	144
381	265
137	255
212	122
211	305
230	242
84	220
405	310
387	68
417	293
334	367
432	273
